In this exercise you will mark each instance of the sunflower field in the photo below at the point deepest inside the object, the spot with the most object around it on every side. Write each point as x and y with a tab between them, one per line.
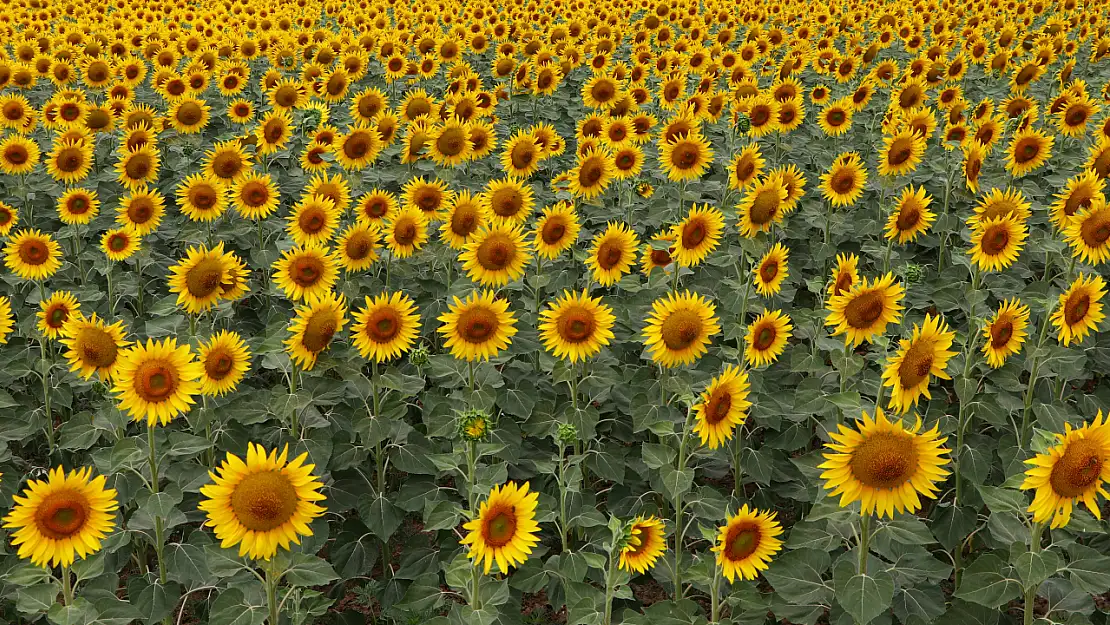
656	312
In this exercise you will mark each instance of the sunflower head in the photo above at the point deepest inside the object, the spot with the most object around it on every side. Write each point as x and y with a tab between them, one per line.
747	542
503	529
1075	470
642	544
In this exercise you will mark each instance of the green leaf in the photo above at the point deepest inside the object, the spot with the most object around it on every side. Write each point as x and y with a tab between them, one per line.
223	562
798	576
866	596
983	583
80	612
676	482
919	606
36	599
657	456
1035	567
231	608
153	600
1092	574
306	570
380	515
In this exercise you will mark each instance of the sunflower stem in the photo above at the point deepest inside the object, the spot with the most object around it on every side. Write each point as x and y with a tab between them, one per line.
715	594
272	581
111	298
564	535
46	366
471	494
610	586
1024	433
864	540
159	529
737	453
67	586
678	526
293	425
1031	592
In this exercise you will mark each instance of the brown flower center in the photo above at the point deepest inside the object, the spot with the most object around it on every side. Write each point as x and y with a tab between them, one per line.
1078	469
62	514
864	309
263	501
884	460
681	329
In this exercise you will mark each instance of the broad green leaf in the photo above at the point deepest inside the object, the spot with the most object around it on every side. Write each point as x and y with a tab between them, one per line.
306	570
988	583
866	596
799	576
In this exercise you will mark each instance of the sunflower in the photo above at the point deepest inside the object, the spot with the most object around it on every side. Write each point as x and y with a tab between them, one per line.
576	326
138	167
1072	120
1028	150
722	407
430	197
7	321
119	244
679	327
747	542
763	206
924	355
188	115
358	147
386	326
911	216
32	255
883	465
1088	234
205	276
657	253
93	346
503	529
274	132
479	327
521	155
772	270
357	247
508	200
262	503
843	183
592	175
766	337
901	153
1081	191
78	206
844	275
698	235
556	230
376	207
61	518
686	158
496	255
157	381
227	161
313	221
313	327
141	211
644	545
70	160
745	167
836	118
1080	309
18	155
224	360
864	310
201	198
465	218
55	311
406	233
1005	333
998	203
1074	470
305	272
254	196
612	253
996	243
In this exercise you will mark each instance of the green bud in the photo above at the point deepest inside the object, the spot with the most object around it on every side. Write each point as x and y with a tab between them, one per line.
914	273
419	357
743	123
474	424
567	434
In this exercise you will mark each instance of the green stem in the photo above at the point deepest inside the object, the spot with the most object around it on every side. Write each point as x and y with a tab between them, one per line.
1024	433
272	581
610	586
67	586
864	541
678	506
159	528
1031	592
574	386
472	478
293	422
564	534
47	365
737	453
111	298
470	374
715	594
